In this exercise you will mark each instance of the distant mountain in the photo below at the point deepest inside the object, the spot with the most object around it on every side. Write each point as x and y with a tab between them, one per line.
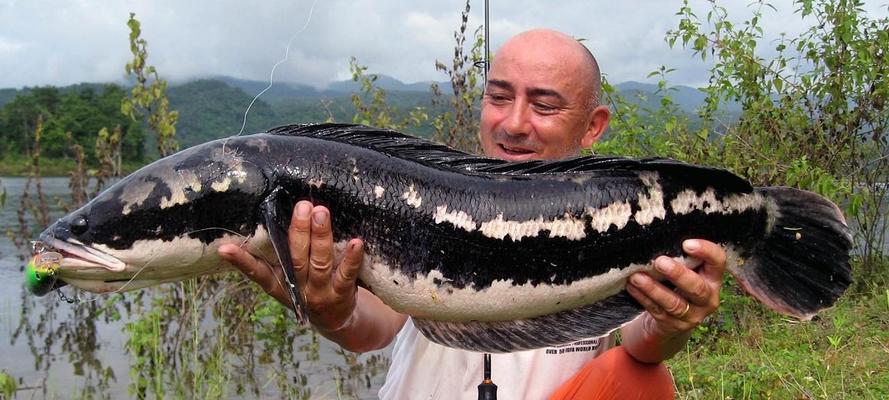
687	98
385	82
280	91
211	109
6	95
214	108
287	91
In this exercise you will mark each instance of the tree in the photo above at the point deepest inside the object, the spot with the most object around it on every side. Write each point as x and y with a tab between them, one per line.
377	112
814	115
148	97
458	127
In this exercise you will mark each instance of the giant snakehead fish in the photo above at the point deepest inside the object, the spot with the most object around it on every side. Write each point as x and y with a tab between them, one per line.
484	254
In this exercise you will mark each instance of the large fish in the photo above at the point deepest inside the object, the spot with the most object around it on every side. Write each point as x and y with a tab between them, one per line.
484	254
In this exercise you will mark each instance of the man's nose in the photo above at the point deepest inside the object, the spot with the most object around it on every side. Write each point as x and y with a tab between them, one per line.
516	122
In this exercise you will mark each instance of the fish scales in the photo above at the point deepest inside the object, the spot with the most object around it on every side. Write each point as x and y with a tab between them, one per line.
485	255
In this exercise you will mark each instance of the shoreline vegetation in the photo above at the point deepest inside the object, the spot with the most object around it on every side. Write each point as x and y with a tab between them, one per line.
49	167
814	115
747	352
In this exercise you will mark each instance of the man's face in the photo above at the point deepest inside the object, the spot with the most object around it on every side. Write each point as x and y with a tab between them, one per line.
535	106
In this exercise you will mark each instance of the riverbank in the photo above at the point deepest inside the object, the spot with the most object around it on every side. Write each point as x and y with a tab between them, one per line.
747	352
49	167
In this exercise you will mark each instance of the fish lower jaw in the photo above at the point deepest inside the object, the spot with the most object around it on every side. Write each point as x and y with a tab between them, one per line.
102	282
79	264
79	255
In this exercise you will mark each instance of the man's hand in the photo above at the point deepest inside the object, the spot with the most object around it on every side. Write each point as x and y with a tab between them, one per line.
329	292
672	314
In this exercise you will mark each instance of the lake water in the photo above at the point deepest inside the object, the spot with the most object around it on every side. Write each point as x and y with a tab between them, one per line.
59	350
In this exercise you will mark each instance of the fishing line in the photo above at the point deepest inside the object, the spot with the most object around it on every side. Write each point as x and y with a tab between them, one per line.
275	67
268	265
80	300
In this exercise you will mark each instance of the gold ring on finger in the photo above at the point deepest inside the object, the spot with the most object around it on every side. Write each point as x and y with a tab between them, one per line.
682	314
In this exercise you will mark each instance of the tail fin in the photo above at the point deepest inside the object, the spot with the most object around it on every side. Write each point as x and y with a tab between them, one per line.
802	266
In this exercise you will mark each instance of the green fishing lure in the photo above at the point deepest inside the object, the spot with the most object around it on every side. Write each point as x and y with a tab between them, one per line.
40	273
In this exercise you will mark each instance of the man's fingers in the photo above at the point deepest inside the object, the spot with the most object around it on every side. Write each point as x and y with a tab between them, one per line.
664	299
270	281
647	303
347	272
298	234
713	256
321	255
692	285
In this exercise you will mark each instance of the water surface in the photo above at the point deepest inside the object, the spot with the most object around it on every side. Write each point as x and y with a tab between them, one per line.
60	350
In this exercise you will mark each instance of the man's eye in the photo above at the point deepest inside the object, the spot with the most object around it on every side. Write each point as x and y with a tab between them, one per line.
497	98
544	108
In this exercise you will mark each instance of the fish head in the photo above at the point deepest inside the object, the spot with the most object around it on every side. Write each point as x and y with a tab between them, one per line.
84	237
156	224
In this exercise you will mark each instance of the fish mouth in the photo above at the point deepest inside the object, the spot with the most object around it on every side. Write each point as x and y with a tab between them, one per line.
79	255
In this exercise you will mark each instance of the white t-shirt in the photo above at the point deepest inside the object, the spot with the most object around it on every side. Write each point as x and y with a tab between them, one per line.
422	369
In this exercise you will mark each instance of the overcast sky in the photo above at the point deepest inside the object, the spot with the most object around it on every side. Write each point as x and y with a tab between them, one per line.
61	42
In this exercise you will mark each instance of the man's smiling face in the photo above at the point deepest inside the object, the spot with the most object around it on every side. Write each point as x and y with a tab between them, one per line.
537	104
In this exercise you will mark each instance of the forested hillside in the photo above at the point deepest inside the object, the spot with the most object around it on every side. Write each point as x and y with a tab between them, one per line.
214	108
81	110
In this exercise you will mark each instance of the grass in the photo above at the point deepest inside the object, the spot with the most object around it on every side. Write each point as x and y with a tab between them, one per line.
841	354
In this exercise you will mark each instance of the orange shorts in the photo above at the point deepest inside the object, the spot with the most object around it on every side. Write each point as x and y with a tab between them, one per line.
617	375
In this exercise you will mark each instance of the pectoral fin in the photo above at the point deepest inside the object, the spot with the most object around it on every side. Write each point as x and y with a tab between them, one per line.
276	211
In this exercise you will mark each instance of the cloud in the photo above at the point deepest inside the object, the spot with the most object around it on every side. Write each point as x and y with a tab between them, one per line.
9	47
53	42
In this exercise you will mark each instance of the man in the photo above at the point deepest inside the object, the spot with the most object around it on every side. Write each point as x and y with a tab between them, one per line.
541	102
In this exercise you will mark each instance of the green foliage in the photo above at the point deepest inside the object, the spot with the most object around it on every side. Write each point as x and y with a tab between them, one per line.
107	151
83	111
8	385
839	355
371	107
148	97
637	129
813	116
221	337
210	109
458	125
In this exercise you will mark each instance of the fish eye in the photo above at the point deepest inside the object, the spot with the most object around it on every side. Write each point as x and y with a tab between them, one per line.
79	225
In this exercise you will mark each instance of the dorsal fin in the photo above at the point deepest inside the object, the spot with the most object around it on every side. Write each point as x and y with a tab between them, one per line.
426	152
391	142
694	173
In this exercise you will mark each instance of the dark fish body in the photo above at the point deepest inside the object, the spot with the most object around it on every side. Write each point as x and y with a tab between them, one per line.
485	255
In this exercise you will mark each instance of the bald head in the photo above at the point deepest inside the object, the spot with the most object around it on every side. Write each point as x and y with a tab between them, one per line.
547	44
541	99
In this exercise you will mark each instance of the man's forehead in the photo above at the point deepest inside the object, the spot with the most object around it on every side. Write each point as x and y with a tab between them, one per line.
534	76
544	49
547	67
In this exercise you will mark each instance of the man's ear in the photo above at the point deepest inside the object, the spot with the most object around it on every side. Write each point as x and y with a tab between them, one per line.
598	124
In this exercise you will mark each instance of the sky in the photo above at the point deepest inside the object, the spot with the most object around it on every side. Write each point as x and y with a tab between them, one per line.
61	42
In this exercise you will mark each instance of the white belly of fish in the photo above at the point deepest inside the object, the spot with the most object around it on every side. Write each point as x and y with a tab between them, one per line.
421	297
